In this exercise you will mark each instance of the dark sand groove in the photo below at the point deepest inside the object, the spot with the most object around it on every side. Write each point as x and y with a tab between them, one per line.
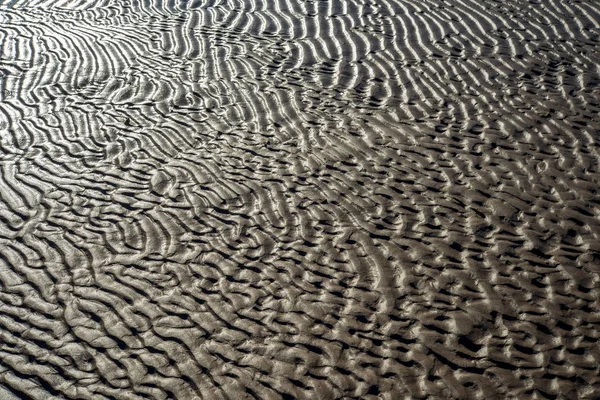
299	199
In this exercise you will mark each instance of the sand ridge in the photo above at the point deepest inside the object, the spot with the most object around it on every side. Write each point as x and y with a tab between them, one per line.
276	200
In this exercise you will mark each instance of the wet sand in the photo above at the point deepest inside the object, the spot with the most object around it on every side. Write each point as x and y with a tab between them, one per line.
299	199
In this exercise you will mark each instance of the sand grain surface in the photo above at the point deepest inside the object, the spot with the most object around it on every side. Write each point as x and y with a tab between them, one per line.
299	199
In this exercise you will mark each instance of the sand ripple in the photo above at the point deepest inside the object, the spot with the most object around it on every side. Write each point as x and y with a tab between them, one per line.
277	200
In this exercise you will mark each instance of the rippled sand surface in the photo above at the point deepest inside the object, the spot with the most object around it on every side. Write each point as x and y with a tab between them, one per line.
299	199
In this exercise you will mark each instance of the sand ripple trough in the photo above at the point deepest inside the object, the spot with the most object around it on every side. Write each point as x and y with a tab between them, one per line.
299	199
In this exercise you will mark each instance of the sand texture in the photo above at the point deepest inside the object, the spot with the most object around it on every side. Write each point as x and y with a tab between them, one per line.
286	199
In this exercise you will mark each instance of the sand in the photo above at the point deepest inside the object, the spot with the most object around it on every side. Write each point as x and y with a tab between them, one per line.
299	199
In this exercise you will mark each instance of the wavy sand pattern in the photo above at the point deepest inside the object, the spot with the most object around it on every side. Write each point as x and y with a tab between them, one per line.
299	199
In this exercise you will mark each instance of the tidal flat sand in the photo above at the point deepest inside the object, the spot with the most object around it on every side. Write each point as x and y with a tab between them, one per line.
393	199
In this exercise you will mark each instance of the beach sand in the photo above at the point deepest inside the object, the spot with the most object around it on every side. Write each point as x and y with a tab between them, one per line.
299	199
